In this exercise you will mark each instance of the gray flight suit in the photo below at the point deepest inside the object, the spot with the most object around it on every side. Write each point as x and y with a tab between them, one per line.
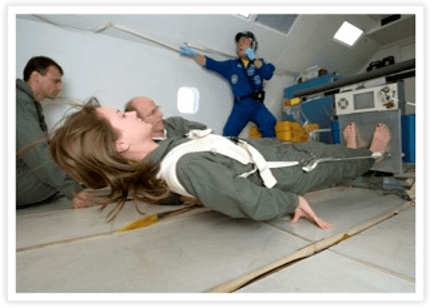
179	127
213	178
38	177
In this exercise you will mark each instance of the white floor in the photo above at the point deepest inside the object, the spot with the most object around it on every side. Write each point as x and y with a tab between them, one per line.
371	249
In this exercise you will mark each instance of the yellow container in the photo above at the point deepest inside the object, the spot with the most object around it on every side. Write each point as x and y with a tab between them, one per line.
284	135
291	102
296	127
310	127
287	131
254	132
288	126
290	131
292	136
300	137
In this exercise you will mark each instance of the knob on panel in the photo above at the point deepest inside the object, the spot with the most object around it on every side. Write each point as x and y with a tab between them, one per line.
343	103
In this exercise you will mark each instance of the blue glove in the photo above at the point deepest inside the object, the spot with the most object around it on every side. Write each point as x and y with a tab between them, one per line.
186	51
250	53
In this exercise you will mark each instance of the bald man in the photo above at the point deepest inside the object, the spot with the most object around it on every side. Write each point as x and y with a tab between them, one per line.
171	127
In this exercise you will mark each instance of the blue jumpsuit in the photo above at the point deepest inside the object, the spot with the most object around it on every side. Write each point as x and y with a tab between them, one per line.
243	83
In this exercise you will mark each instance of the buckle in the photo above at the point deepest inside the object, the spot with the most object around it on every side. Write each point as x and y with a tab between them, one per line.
235	139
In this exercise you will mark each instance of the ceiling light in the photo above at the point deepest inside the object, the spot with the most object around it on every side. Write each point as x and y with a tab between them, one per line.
348	34
245	15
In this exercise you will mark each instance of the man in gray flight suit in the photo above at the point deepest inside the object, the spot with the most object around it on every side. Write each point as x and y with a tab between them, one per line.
170	127
38	178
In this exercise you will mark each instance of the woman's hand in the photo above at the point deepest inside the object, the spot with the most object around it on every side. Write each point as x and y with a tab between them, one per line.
304	210
190	201
81	200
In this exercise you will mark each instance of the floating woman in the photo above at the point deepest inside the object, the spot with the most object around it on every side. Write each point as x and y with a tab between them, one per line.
261	179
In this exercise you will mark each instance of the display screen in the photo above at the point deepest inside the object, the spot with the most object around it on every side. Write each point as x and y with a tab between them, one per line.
364	101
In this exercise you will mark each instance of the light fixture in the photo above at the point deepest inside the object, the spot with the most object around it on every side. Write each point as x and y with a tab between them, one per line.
348	34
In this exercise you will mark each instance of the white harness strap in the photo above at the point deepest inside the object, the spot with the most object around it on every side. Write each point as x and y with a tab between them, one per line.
263	166
204	141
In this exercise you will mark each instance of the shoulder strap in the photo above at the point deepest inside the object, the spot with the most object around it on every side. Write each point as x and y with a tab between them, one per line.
202	141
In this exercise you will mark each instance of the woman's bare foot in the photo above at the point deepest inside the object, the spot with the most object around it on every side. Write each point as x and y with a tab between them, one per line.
380	139
350	136
304	210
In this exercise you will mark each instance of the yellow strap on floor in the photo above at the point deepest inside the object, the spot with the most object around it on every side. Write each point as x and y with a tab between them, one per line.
140	223
151	219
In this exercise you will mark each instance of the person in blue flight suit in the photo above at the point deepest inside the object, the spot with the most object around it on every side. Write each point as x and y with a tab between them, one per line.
245	75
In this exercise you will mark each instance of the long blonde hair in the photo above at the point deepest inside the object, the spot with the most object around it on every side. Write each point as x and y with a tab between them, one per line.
84	148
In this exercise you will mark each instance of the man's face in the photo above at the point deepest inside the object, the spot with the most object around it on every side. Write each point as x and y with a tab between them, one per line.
149	112
243	43
50	84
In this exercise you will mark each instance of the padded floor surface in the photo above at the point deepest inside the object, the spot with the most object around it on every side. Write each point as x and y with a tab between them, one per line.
61	249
